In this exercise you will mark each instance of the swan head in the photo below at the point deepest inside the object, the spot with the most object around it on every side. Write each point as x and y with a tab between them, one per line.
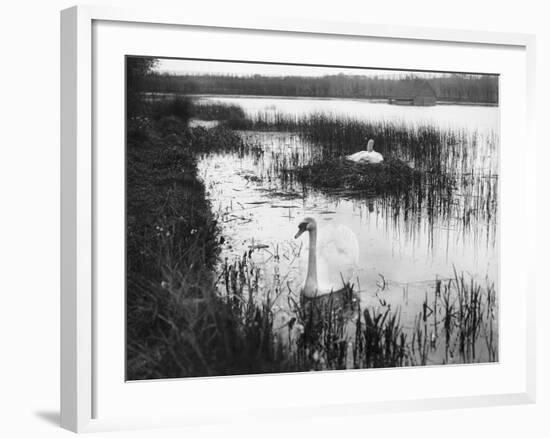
370	145
307	224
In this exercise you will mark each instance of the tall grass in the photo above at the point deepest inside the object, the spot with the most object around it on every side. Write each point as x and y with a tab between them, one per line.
462	318
186	316
179	107
426	146
214	111
185	108
456	323
176	323
444	172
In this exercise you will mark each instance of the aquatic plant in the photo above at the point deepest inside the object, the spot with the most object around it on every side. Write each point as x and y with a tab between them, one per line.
370	179
176	323
461	318
188	314
216	111
179	107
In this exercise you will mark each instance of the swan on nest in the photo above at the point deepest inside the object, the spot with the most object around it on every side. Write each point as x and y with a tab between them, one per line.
368	156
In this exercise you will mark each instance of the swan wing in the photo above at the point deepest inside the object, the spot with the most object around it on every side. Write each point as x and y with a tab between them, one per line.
376	157
366	156
357	156
338	256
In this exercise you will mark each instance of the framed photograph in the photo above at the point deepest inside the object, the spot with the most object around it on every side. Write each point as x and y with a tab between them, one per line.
276	217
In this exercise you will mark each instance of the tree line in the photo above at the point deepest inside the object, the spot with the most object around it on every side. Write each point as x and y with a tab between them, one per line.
452	87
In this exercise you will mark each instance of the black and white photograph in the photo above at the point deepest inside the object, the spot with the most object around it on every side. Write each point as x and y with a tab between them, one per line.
295	218
306	218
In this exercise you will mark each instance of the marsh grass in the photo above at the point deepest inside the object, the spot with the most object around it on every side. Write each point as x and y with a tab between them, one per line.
458	178
461	317
339	174
380	341
442	173
456	323
187	316
179	107
214	111
425	146
177	325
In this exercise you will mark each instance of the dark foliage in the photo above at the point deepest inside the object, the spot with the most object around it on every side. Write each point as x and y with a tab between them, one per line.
219	112
457	88
389	176
181	108
137	71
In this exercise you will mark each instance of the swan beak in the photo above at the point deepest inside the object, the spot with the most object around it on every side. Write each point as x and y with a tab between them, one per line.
299	233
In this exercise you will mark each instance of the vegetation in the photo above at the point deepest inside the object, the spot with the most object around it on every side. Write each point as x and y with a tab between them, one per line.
177	325
392	175
185	108
426	146
138	70
180	324
190	314
228	113
427	166
179	107
460	317
451	87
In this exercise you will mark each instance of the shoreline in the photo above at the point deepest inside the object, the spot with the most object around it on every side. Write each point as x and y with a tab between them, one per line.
381	100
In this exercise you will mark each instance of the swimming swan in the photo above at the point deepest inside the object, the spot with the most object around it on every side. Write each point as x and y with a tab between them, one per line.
368	156
339	252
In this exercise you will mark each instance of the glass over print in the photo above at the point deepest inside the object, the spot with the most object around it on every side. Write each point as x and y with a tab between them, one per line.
285	218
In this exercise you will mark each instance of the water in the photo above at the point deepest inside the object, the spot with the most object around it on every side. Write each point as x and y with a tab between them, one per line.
472	118
400	253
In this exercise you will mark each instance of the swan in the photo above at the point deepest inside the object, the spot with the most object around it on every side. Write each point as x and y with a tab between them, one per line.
368	156
338	252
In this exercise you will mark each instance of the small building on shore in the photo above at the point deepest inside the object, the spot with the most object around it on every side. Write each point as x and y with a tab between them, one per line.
416	92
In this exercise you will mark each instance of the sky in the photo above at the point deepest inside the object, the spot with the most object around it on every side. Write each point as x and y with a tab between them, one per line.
179	66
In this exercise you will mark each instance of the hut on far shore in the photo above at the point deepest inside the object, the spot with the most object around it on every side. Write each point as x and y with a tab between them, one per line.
417	92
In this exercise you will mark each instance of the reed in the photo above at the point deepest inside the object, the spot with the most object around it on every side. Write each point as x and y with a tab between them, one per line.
425	146
343	176
179	107
460	318
188	314
213	111
427	171
177	324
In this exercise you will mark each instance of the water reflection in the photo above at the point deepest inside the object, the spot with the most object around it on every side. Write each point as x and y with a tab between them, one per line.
406	241
478	118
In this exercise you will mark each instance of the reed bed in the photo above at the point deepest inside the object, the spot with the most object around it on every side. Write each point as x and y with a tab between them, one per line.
424	146
372	179
455	175
214	111
187	315
456	323
176	323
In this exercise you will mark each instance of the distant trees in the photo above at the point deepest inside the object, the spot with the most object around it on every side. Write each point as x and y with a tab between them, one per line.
468	88
453	87
138	69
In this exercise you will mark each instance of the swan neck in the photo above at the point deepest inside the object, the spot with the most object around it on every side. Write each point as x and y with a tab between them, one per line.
310	288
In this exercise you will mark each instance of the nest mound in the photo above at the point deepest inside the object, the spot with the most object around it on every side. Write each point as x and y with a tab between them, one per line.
375	178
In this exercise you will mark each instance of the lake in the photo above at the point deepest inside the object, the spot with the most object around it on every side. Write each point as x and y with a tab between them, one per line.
401	252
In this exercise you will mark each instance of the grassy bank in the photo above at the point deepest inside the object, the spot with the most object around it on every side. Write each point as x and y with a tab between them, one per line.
177	324
186	108
190	314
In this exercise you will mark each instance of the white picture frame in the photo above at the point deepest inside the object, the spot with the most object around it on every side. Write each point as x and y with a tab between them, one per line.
80	370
